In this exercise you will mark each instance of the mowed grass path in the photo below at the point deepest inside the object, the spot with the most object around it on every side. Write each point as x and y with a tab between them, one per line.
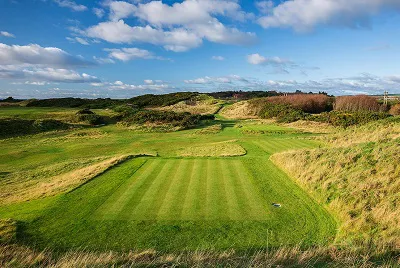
187	189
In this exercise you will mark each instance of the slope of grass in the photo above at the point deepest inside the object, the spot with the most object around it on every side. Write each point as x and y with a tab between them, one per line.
358	181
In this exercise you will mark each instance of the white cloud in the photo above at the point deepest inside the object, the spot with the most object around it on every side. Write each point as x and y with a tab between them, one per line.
71	5
41	64
265	7
34	54
127	54
184	13
7	34
46	74
257	59
220	58
216	80
120	32
103	60
120	10
178	27
98	12
78	40
149	85
303	15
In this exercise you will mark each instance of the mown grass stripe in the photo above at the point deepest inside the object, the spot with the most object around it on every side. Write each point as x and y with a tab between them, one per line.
221	199
258	210
232	199
181	190
119	198
168	209
191	209
140	188
144	206
160	194
212	192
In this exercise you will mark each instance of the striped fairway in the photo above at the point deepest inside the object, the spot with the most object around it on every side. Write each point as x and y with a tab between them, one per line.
187	189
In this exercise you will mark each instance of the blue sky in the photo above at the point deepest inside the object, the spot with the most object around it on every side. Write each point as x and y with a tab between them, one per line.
119	49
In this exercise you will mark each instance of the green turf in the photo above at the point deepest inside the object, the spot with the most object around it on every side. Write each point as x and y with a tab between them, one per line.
166	202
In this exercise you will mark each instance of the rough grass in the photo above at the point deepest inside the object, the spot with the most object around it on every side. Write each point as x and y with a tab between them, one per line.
18	188
8	231
359	183
239	110
21	256
195	107
213	129
229	148
378	131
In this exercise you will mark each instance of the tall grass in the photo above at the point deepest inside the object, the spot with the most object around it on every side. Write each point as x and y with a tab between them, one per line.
21	256
358	179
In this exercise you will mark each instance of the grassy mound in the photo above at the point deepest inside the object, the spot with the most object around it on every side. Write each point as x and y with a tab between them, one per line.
214	149
201	104
239	110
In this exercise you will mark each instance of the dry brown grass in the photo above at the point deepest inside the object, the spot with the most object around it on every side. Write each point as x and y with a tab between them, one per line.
16	190
20	256
196	107
239	110
378	131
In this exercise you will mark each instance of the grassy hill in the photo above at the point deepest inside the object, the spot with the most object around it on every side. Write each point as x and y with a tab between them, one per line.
357	178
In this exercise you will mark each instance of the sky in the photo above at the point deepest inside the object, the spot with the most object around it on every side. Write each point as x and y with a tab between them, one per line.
121	49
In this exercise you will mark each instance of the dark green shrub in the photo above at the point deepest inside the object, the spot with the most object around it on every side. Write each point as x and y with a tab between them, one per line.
150	100
18	127
284	113
182	120
346	119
